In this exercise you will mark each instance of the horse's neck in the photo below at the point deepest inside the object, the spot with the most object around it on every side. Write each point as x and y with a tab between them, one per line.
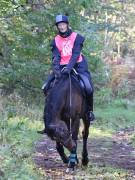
55	98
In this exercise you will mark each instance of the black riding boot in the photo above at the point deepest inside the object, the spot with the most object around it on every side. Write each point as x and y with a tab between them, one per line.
90	114
89	94
47	85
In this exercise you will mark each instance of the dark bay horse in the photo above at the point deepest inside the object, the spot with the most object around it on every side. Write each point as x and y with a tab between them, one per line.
65	106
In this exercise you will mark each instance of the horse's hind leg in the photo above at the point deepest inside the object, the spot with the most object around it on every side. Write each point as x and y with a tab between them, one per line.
85	134
60	150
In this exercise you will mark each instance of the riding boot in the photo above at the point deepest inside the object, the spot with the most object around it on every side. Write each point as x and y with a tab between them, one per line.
90	114
89	95
47	85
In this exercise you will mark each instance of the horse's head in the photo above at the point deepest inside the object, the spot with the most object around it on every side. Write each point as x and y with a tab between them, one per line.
60	133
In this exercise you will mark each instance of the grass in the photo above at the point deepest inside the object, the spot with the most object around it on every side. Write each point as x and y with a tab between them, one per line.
97	132
18	133
114	118
94	172
16	144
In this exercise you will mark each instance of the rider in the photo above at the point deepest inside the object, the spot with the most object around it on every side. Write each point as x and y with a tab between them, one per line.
66	52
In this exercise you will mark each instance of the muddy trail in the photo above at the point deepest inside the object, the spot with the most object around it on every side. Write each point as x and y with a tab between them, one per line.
116	152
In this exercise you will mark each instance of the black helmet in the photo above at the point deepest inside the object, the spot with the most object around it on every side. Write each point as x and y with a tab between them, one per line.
61	18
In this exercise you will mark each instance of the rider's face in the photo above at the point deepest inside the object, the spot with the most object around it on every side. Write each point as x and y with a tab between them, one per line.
62	27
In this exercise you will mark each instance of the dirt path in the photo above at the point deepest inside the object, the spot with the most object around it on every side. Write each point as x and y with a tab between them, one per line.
116	152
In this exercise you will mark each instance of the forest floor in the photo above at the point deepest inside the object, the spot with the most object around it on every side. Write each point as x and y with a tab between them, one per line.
109	158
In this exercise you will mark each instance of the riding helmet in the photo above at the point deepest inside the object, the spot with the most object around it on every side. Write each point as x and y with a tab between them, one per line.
61	18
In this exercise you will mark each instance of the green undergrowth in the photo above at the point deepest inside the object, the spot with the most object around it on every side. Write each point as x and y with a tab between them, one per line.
113	118
96	132
17	138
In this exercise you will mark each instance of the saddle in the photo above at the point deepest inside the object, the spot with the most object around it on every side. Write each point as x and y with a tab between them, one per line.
83	81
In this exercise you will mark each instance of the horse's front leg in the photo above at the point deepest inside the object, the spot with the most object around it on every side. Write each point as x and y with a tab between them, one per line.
85	134
60	150
73	160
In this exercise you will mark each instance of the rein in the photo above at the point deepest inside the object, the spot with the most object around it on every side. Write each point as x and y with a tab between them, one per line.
70	98
70	102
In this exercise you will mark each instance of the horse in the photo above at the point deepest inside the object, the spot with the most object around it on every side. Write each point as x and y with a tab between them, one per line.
64	107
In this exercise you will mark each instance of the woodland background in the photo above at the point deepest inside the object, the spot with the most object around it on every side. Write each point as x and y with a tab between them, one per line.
26	30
